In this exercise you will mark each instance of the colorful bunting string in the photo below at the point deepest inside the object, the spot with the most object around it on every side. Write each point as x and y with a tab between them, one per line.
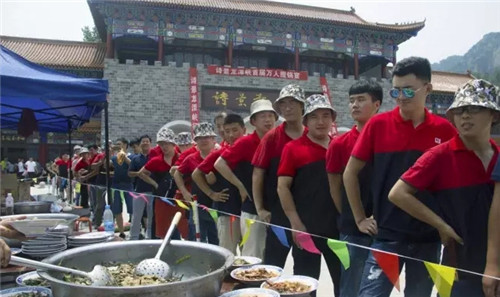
442	276
166	200
306	242
339	248
281	235
181	204
248	223
122	196
390	266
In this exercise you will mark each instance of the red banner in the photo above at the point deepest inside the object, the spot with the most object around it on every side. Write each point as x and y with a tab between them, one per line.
326	91
193	97
257	72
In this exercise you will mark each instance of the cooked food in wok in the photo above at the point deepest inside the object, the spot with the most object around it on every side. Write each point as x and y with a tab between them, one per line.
124	276
36	281
287	287
255	274
240	262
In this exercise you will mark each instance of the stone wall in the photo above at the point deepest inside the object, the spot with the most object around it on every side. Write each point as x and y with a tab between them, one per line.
144	97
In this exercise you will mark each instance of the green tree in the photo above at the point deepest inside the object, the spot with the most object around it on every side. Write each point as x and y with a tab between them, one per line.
90	35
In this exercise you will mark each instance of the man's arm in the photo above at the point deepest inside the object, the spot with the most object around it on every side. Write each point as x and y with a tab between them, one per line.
403	195
492	286
286	199
228	174
201	181
351	185
179	180
258	193
144	174
335	182
132	171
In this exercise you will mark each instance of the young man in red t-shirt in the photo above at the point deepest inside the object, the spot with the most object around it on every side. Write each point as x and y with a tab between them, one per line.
204	136
63	168
225	196
365	98
303	190
82	173
458	173
235	165
290	105
393	141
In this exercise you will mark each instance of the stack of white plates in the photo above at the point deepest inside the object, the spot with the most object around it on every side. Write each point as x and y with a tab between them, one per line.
45	245
88	238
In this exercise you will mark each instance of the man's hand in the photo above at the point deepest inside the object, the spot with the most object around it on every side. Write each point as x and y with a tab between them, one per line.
298	226
264	215
187	196
243	193
7	231
173	169
491	287
4	254
448	235
221	196
368	226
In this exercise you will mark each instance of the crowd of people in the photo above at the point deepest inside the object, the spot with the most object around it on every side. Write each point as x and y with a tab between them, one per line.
404	181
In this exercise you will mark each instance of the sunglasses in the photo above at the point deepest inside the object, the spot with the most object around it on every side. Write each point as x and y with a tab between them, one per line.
407	92
471	109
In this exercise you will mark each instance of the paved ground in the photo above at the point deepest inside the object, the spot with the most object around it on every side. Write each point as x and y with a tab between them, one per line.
325	284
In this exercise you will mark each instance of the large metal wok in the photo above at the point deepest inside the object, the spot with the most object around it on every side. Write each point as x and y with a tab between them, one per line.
202	272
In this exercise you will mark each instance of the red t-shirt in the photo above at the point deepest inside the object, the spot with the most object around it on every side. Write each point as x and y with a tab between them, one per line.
185	154
270	147
339	151
156	151
82	164
242	150
208	164
158	164
189	164
61	162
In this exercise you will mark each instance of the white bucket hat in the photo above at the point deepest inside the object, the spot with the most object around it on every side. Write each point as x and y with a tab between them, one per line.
318	101
290	91
184	138
83	150
165	135
204	129
262	105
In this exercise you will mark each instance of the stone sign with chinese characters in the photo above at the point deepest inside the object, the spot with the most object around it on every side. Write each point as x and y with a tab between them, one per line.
258	72
130	27
215	98
173	31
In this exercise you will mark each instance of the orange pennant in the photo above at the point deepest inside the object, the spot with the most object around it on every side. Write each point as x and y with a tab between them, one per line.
389	264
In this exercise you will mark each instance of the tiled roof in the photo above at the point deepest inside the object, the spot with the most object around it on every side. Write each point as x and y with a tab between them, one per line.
93	126
448	82
58	53
276	9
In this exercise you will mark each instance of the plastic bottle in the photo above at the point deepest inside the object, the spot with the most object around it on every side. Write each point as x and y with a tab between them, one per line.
9	204
109	225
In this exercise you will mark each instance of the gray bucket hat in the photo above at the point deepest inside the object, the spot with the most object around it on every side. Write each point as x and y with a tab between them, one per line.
262	105
184	138
165	135
204	129
318	101
83	150
290	91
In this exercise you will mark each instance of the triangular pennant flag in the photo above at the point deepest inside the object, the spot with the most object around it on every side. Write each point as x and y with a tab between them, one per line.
166	200
305	240
390	265
281	235
213	214
122	195
442	276
231	222
249	223
181	204
144	197
340	249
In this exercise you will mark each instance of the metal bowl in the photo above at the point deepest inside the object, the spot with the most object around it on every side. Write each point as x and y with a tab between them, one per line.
203	270
28	207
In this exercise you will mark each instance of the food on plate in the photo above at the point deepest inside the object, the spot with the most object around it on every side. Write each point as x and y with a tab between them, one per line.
287	287
240	262
123	276
255	274
36	281
30	294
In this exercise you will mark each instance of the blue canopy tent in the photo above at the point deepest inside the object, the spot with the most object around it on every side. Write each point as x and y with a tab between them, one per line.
33	97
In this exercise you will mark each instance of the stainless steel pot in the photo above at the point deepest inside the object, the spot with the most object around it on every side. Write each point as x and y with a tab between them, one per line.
202	273
27	207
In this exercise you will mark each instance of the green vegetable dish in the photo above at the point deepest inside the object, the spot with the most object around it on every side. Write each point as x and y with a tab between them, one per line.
31	294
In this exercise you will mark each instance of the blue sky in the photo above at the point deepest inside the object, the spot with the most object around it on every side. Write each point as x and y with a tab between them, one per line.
451	27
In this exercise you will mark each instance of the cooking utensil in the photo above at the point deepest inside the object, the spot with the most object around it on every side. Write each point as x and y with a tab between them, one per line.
155	266
99	275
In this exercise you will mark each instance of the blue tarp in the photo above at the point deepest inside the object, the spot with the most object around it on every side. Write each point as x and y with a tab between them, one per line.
54	97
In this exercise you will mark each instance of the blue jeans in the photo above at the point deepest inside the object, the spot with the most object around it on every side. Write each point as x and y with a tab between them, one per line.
351	278
374	282
208	228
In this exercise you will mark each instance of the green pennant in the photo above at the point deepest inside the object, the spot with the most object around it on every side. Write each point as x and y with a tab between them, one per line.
340	249
122	195
214	214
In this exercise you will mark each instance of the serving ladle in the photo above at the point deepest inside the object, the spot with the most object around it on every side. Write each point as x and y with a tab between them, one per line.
155	266
99	276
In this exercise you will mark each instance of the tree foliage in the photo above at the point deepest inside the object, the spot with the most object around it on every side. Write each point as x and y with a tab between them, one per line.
90	35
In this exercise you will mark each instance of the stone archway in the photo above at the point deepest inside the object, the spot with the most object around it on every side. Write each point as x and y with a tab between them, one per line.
179	126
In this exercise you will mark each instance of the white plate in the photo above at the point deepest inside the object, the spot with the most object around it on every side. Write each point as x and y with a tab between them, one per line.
16	291
44	252
250	260
44	242
89	236
44	248
311	282
28	276
15	251
256	282
251	292
35	227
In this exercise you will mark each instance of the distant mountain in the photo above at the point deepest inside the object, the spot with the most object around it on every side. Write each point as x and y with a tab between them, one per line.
483	59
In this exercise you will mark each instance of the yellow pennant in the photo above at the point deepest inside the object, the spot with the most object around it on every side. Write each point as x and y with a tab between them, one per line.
442	276
249	223
181	204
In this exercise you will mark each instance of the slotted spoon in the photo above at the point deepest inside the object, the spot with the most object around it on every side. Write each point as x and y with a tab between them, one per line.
155	266
99	275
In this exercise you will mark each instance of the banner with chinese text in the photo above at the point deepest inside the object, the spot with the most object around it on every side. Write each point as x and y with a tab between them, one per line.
326	91
258	72
220	98
193	97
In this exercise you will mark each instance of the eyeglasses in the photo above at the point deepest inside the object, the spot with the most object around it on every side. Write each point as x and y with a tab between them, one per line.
471	109
407	92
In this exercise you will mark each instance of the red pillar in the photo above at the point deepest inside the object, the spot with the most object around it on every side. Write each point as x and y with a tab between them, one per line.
230	53
346	67
110	51
297	61
160	48
42	153
356	66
